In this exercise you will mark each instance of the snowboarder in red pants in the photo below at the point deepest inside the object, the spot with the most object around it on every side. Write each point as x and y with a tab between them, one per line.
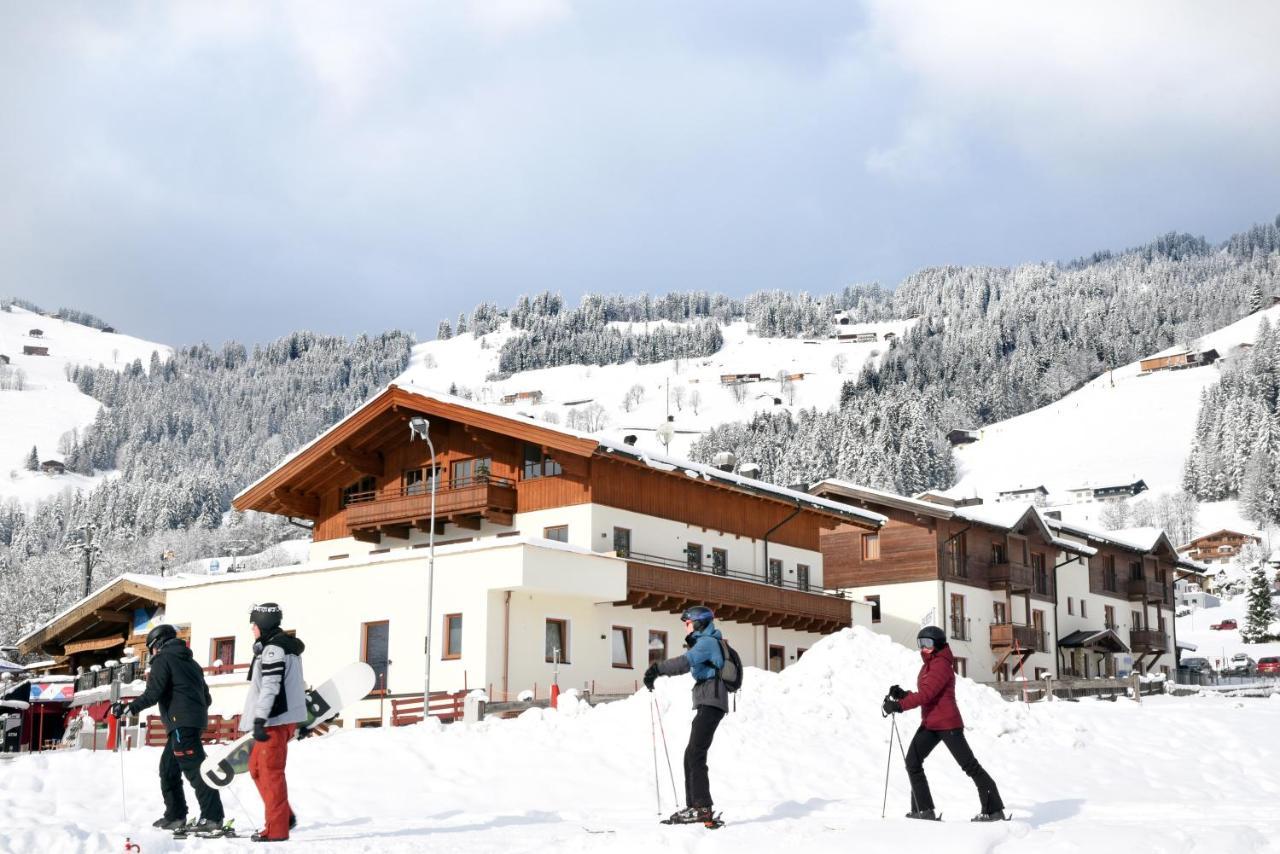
276	704
935	695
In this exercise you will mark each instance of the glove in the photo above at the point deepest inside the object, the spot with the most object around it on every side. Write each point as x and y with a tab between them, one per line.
259	729
651	676
896	692
891	706
302	733
119	710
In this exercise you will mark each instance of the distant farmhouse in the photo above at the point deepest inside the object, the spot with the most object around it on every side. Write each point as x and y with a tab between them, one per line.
735	379
962	436
33	350
36	333
1219	547
1028	493
53	467
1176	358
534	396
1107	493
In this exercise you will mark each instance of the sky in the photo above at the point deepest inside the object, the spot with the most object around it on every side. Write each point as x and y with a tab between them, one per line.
207	171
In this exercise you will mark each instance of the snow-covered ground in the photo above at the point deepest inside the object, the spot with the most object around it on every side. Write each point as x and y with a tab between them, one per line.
1117	428
799	767
49	405
468	361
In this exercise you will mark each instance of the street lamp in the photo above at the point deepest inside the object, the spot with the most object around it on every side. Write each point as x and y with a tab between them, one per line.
419	427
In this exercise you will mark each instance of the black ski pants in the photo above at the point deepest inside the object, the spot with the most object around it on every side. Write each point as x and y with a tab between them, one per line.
181	757
923	744
697	788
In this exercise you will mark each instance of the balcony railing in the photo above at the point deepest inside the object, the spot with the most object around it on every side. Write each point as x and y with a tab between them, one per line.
1011	635
413	504
127	671
802	585
1145	590
1014	576
1148	640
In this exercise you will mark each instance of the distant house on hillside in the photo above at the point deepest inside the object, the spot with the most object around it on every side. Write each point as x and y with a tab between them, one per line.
841	318
1027	493
53	467
32	350
522	396
793	378
855	337
735	379
111	329
1177	358
1108	492
36	333
962	436
1219	547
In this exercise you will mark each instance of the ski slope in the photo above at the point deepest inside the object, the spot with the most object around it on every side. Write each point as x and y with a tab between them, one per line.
1119	427
799	766
467	361
50	405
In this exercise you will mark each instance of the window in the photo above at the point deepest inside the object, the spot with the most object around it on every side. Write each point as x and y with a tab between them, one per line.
800	651
1000	613
1135	570
1041	672
373	652
693	556
1039	576
775	571
1109	617
777	658
470	472
557	640
959	625
1071	607
538	464
802	576
1002	675
452	636
959	556
559	533
1084	608
361	490
1109	574
961	666
1135	618
418	481
719	561
870	546
657	646
998	554
622	542
1037	621
621	646
875	608
222	650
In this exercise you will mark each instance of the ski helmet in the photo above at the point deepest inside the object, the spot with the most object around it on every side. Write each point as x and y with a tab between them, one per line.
935	636
160	634
267	617
700	615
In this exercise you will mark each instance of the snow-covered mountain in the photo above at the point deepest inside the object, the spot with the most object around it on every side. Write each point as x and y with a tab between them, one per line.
690	390
38	404
1122	426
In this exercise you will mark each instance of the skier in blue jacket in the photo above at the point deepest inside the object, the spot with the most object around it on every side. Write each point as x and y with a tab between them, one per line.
704	660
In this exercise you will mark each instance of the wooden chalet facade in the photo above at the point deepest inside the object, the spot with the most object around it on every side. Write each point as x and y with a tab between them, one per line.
34	350
1008	585
1219	547
1178	359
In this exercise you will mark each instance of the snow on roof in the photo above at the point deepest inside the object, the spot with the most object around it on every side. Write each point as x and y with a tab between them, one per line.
891	498
605	442
1143	538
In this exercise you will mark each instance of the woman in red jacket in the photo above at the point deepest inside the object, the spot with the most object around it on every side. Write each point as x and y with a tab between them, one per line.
940	721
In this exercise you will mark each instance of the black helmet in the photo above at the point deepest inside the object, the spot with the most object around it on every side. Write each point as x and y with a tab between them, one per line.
700	615
936	637
160	634
266	617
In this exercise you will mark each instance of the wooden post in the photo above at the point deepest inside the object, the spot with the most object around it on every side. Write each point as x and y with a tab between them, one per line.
1048	687
1137	686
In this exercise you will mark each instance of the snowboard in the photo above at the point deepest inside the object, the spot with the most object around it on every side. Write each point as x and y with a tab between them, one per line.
348	685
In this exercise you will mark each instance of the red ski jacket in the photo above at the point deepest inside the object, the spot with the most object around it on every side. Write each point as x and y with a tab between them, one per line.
935	692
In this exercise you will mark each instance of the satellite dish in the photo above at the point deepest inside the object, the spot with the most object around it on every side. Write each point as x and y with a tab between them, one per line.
665	431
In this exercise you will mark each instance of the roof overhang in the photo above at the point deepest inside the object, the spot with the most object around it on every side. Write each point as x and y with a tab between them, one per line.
98	621
842	489
1096	640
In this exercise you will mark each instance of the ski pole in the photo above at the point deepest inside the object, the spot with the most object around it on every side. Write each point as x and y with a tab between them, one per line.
884	805
667	752
121	723
653	739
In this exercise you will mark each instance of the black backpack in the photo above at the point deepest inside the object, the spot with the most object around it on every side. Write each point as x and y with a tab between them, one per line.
731	670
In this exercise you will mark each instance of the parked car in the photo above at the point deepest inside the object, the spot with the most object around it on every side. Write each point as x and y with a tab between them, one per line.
1225	624
1240	665
1269	664
1196	665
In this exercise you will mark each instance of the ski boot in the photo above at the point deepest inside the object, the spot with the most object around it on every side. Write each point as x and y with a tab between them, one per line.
261	836
169	823
924	815
208	829
991	816
695	815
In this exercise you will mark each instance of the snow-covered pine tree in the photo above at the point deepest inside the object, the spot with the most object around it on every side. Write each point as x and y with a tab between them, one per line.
444	331
1260	615
33	460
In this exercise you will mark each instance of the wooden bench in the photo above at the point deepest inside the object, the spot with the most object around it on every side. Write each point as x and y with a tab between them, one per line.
219	730
445	706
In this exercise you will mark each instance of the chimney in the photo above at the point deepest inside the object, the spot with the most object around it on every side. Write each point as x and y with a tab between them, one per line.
725	461
750	470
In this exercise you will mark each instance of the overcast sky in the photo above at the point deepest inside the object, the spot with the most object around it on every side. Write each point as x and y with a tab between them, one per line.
239	170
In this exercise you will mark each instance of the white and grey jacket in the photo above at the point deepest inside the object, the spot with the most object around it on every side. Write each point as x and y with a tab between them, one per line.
277	692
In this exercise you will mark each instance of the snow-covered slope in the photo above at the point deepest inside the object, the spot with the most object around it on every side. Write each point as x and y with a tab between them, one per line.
467	362
49	405
799	766
1119	427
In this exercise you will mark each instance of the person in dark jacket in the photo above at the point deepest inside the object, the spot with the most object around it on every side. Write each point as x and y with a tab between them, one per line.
177	684
704	660
276	704
940	721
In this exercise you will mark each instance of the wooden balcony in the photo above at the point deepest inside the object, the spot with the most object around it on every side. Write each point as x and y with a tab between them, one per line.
668	588
369	514
1011	635
1014	576
1145	590
1148	640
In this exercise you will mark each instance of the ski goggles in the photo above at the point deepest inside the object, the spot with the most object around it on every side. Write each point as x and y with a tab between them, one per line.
925	643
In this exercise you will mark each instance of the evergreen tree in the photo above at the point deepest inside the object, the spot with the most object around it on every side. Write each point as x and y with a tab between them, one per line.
444	332
1258	619
33	460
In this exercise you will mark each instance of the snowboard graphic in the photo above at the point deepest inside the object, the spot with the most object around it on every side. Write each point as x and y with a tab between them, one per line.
348	685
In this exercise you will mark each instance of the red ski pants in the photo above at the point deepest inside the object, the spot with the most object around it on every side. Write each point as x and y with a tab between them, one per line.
266	767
